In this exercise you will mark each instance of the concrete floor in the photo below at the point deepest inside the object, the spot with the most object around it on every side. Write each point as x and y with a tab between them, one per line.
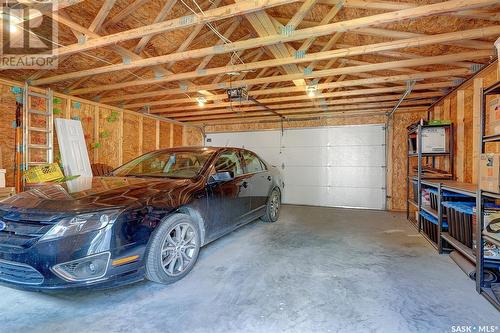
316	269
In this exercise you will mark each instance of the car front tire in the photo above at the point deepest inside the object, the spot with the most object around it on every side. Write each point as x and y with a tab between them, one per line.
273	207
172	249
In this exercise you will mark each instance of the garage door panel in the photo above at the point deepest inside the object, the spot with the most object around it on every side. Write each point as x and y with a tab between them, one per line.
358	135
295	137
335	176
355	197
334	156
304	195
327	166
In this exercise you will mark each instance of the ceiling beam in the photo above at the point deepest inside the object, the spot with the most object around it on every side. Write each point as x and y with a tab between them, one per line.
355	92
125	12
288	90
167	8
236	111
236	46
309	116
249	106
101	15
443	59
224	12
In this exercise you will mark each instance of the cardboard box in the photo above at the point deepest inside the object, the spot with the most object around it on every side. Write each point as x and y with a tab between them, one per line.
489	173
494	116
434	140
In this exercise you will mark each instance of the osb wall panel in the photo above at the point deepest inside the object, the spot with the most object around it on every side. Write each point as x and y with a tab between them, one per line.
149	136
7	136
131	143
165	135
110	123
296	124
178	135
85	113
399	142
60	110
489	76
193	136
104	135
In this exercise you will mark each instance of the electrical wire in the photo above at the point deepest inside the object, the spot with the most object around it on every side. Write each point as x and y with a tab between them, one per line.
211	27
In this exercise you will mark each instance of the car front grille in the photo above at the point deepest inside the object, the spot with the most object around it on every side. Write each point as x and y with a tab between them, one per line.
20	231
19	273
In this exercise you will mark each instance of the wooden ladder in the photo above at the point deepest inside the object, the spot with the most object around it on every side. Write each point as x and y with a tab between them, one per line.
39	106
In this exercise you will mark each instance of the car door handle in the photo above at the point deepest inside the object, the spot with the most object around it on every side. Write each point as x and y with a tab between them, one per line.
269	178
244	184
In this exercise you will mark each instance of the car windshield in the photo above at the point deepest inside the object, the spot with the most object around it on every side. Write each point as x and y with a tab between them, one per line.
165	164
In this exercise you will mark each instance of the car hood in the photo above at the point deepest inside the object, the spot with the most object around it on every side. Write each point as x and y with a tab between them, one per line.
96	193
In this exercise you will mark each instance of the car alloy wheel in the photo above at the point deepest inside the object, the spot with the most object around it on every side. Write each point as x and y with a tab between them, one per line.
275	205
179	249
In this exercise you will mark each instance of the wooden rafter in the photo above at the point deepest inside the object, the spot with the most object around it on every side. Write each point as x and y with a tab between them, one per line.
287	90
299	34
224	12
444	59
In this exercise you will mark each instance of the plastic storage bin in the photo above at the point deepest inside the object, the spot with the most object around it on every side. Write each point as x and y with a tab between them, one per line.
415	190
459	216
447	196
430	226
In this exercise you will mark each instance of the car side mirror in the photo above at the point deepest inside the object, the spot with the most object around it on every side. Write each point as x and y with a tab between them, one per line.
221	176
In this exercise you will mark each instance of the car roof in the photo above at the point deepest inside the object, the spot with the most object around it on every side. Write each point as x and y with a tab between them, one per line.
198	149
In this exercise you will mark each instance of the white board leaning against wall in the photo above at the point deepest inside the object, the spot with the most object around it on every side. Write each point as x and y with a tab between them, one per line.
74	154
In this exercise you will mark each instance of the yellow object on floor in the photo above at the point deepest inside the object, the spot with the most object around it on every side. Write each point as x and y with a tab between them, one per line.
43	173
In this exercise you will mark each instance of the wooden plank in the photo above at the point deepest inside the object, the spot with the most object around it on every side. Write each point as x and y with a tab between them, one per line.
141	134
171	134
95	151
287	90
157	134
251	105
101	15
245	44
476	127
167	7
224	12
372	91
460	130
434	60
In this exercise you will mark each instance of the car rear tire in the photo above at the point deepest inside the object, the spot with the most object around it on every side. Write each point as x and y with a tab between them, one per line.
173	249
273	207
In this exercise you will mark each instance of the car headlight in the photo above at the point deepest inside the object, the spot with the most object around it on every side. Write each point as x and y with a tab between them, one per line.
81	224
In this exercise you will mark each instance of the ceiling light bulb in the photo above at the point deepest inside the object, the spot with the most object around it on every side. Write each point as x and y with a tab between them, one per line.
201	101
12	28
310	93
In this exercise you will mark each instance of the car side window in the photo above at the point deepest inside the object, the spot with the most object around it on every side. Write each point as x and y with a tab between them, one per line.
229	161
252	163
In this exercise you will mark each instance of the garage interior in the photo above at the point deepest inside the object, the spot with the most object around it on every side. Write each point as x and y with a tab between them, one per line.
383	117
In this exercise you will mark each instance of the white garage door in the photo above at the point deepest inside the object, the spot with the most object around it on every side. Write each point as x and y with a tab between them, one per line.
342	166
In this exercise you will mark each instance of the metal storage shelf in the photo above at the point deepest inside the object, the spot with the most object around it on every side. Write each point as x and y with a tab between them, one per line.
430	210
466	251
481	196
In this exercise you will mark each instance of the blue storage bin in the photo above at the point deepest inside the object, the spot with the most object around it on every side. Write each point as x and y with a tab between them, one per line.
447	196
430	225
459	215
